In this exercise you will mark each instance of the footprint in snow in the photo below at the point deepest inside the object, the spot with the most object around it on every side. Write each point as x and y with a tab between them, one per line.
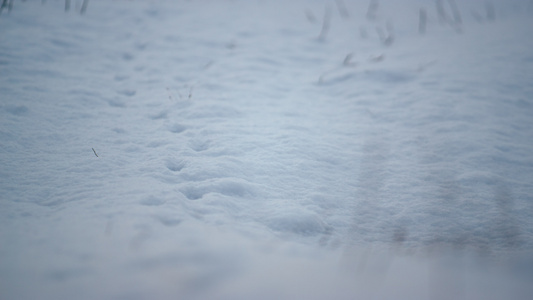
121	78
177	128
199	145
17	110
116	103
160	115
127	93
127	56
175	166
168	221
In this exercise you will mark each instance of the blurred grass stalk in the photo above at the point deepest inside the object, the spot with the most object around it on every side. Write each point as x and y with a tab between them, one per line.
84	6
6	4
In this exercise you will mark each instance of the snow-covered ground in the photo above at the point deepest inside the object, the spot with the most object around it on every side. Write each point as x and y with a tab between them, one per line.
277	149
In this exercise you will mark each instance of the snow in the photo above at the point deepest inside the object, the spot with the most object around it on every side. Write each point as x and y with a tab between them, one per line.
243	150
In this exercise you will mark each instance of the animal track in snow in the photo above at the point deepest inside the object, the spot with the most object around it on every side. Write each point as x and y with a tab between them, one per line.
199	145
176	128
127	93
175	166
121	77
116	103
16	110
160	115
127	56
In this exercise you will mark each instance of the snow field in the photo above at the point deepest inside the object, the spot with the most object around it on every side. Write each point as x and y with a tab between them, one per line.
240	156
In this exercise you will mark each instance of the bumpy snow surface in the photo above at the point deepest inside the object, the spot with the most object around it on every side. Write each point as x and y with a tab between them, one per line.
266	150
